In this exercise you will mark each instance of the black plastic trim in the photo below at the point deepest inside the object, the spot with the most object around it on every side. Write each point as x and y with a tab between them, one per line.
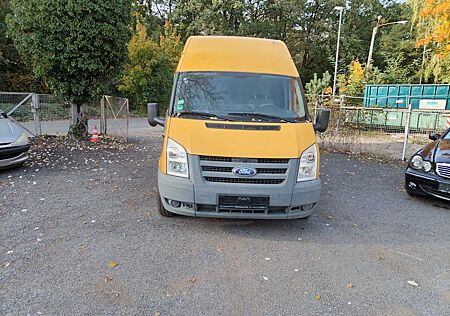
244	127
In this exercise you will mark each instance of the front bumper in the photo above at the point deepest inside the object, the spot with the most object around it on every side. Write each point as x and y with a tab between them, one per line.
13	156
201	199
422	183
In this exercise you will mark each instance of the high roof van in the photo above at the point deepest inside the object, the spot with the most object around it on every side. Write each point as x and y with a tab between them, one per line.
238	139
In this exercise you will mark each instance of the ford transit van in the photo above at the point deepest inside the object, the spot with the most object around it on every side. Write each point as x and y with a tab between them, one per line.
238	139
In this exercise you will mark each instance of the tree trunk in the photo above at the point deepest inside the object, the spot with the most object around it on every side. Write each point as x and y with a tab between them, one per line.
78	121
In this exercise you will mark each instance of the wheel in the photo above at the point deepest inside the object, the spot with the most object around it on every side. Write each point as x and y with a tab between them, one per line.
411	194
162	210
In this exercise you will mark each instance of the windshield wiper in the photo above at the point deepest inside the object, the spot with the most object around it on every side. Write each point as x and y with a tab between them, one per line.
263	116
203	114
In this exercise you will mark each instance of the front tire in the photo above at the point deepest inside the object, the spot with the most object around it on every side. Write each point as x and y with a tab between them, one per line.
161	208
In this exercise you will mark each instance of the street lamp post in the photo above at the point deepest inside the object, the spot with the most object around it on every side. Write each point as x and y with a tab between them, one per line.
340	9
374	32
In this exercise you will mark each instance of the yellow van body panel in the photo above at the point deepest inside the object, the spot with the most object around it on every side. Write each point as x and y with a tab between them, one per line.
288	142
236	54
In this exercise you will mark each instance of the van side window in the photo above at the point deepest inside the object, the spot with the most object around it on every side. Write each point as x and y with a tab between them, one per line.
297	99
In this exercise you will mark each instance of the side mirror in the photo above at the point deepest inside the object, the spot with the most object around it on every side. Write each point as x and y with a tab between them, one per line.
434	136
153	115
322	119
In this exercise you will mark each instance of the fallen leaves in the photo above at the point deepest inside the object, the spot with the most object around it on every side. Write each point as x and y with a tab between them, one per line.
112	264
349	285
317	297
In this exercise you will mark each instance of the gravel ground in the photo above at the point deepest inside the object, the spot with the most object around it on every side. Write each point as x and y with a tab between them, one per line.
80	234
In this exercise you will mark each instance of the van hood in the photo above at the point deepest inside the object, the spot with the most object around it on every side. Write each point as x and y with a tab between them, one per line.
242	139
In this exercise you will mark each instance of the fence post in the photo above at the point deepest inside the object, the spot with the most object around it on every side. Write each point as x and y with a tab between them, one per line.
341	104
316	101
102	116
408	120
128	117
36	110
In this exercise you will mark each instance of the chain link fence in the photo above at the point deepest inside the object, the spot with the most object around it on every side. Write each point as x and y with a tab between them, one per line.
394	132
115	114
47	114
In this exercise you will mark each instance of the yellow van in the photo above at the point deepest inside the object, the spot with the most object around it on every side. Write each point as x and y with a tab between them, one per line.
238	138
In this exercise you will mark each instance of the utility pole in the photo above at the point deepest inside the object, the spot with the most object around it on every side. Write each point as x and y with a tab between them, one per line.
374	32
340	9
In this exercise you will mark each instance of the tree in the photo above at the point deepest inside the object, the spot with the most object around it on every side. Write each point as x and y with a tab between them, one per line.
318	85
14	74
395	73
148	74
431	20
76	47
353	84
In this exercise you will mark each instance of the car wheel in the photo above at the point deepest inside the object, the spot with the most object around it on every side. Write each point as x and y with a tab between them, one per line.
410	193
162	210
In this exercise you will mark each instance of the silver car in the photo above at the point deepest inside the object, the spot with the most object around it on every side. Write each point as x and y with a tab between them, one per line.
14	144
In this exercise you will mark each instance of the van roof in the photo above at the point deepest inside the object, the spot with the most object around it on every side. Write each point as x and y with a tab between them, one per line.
236	54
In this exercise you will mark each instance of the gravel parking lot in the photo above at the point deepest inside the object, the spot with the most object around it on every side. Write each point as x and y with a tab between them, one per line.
80	234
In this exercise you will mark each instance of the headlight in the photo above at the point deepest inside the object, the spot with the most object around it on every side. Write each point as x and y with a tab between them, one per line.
307	170
22	140
177	164
418	163
427	166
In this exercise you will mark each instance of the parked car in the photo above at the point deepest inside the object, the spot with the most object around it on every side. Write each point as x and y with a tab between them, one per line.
14	144
428	171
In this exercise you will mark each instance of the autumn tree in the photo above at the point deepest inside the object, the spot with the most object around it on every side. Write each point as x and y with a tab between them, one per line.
148	74
432	23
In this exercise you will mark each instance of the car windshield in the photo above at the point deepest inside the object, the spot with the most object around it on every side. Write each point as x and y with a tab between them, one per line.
239	97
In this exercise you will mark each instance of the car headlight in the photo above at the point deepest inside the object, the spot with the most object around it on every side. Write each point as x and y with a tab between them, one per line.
177	163
307	170
418	163
21	141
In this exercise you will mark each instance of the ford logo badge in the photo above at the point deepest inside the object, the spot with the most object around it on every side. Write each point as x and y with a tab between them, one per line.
244	171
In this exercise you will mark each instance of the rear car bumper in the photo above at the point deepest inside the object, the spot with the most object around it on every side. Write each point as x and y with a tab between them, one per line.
202	199
428	184
12	156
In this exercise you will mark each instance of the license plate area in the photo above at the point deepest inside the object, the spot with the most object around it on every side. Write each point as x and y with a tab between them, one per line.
239	202
444	187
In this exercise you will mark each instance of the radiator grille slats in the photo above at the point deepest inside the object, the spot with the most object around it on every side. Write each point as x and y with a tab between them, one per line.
220	170
443	170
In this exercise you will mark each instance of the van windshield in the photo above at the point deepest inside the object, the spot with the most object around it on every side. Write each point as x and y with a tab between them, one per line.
239	97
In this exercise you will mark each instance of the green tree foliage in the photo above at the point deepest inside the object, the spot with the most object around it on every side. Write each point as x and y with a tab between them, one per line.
317	85
76	47
148	74
14	74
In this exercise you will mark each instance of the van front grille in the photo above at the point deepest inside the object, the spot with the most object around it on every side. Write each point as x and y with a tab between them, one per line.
245	160
268	170
244	180
259	170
